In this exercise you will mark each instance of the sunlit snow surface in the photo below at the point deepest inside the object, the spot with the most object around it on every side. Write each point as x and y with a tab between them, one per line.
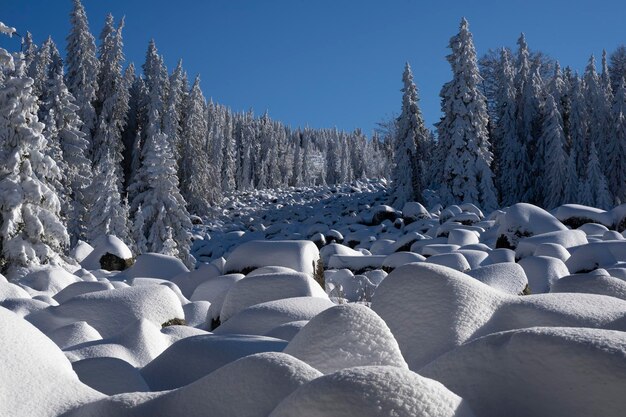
324	301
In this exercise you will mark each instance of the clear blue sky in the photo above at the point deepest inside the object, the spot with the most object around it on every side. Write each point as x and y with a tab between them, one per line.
329	62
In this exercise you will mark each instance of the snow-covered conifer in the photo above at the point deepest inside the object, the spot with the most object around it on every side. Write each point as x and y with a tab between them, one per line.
463	128
408	146
555	164
32	232
572	183
617	146
595	191
82	68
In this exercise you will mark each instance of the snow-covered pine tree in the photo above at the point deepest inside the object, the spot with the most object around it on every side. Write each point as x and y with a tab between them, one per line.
173	111
597	110
31	232
108	216
579	122
228	159
595	191
511	161
555	163
39	68
82	68
199	183
63	130
159	205
297	159
467	173
617	66
572	183
531	121
29	49
617	146
408	146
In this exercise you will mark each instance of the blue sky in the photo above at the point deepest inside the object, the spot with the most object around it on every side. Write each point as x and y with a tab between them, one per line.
328	63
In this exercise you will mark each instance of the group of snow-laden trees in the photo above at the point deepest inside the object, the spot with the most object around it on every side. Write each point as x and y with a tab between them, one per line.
91	147
516	128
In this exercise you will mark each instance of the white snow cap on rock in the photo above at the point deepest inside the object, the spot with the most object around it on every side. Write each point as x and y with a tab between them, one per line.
373	391
346	336
539	372
106	244
299	255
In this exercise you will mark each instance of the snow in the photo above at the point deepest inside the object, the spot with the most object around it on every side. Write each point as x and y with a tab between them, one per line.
522	219
192	358
106	244
74	334
110	376
571	214
565	238
7	30
454	308
372	391
42	382
542	272
48	281
262	318
591	284
81	251
507	277
551	371
154	265
81	287
346	336
268	287
452	260
156	303
300	255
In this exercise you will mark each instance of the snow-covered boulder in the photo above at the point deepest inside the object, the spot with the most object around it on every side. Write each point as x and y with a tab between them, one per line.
252	386
111	311
373	391
81	287
37	378
431	309
192	358
412	211
507	277
452	260
48	281
261	288
346	336
591	284
542	272
155	265
539	372
110	376
74	334
336	249
575	215
261	318
115	252
10	290
524	220
553	250
81	251
397	259
287	331
189	281
596	254
299	255
565	238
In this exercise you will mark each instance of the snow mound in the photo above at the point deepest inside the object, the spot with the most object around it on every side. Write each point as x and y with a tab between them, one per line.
110	376
137	344
155	265
336	249
262	288
591	284
261	318
299	255
252	386
372	391
189	281
24	306
106	244
507	277
192	358
539	372
400	258
10	290
346	336
81	251
48	281
524	220
432	309
214	290
287	331
111	311
575	215
79	288
542	272
37	379
596	254
452	260
565	238
553	250
74	334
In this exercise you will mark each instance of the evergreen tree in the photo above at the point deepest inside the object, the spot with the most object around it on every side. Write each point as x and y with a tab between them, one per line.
228	161
31	232
408	146
199	181
82	68
595	191
173	111
467	173
162	220
39	68
555	163
617	148
572	183
579	142
29	49
69	143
